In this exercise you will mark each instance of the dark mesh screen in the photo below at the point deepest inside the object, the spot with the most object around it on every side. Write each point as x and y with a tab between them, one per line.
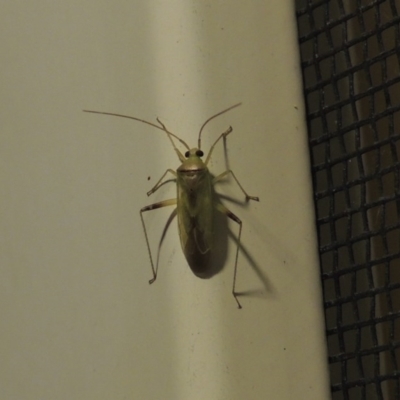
350	59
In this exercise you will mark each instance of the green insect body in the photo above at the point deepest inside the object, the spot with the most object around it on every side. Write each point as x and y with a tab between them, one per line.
195	204
195	211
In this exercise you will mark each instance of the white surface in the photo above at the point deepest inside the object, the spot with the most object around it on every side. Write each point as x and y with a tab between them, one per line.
79	320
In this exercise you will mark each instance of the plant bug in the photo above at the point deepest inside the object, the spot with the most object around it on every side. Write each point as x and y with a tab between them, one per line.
194	200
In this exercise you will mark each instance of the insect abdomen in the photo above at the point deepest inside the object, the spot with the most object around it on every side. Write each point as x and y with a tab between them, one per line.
195	218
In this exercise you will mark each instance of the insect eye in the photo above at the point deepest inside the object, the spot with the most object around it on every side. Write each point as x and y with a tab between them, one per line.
187	154
199	153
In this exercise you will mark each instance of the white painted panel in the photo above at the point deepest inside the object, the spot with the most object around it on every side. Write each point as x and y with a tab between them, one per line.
78	318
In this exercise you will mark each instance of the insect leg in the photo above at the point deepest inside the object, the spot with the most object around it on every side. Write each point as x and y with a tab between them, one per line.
158	184
219	177
222	135
221	208
150	207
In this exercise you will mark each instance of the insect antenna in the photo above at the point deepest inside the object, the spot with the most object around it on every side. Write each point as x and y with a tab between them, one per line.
214	116
162	127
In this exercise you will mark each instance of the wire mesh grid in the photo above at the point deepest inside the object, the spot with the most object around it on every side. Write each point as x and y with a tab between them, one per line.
350	59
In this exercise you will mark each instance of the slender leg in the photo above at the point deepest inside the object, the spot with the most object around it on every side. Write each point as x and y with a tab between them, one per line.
220	207
219	177
159	182
151	207
222	135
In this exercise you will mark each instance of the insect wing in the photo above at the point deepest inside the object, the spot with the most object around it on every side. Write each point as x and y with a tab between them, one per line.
195	213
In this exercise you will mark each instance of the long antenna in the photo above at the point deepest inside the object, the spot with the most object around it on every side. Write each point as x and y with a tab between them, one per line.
214	116
161	126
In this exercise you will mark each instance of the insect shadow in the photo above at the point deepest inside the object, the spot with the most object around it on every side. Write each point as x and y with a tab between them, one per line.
197	209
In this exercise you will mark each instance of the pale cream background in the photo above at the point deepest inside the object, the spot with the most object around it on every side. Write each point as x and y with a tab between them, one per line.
78	318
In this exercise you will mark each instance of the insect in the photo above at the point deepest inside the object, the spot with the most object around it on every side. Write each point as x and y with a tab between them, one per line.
194	202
